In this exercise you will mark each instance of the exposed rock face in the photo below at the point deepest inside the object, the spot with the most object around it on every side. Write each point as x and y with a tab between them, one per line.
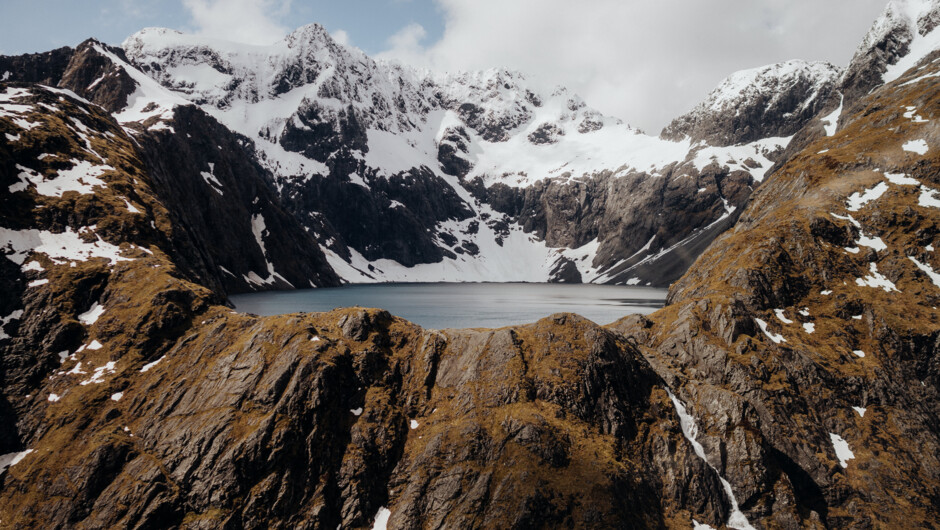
505	428
82	70
213	187
323	419
774	100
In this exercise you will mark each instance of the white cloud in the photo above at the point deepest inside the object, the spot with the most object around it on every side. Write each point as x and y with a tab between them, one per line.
342	37
405	46
646	62
248	21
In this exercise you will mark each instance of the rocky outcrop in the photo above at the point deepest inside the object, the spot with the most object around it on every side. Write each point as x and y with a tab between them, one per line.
361	411
692	205
83	70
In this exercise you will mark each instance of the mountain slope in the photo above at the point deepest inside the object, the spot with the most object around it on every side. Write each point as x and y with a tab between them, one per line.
113	361
719	409
808	334
214	190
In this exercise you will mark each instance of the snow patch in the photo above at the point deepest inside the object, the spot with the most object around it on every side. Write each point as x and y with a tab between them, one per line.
53	398
777	339
848	218
211	180
356	411
901	179
843	453
117	396
130	207
737	519
859	353
916	146
11	459
875	280
929	197
871	242
356	179
381	519
91	316
857	200
413	424
16	315
60	248
861	411
832	120
809	327
914	118
258	228
82	178
150	365
934	277
97	377
781	315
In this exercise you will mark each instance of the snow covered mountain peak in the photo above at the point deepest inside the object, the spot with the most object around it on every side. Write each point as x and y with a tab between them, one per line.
777	79
748	104
905	33
282	94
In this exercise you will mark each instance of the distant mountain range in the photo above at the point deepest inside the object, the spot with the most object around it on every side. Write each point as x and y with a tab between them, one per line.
397	174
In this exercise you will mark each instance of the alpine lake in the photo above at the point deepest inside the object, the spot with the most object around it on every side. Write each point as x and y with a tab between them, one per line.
464	305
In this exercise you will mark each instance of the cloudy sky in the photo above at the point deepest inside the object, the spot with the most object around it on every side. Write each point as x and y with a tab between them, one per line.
646	61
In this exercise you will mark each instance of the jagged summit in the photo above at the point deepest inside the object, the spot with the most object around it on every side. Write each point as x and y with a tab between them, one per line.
904	34
776	99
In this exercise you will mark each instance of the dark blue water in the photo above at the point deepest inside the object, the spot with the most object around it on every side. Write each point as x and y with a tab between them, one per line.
464	305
